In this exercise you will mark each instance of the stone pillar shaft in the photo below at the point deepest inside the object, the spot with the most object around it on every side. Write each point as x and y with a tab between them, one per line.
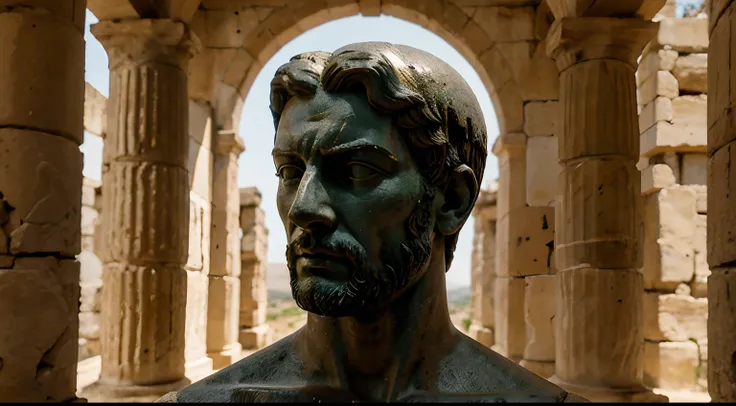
483	274
721	221
146	202
599	332
254	332
41	112
224	277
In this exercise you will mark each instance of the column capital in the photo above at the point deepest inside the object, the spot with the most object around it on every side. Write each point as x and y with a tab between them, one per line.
147	41
228	142
575	40
250	197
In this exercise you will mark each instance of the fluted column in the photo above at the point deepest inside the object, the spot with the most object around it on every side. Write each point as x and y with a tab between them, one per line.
146	206
41	111
599	335
223	314
722	201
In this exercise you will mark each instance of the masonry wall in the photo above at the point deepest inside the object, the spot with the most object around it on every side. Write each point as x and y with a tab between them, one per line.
672	88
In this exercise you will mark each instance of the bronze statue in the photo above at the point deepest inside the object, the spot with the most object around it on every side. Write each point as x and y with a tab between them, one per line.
380	151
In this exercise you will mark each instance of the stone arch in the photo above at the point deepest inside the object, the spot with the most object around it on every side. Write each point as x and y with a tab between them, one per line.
499	42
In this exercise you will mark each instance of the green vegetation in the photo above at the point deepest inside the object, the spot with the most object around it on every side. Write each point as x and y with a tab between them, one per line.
466	324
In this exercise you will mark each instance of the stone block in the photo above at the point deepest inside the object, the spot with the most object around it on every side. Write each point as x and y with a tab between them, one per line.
673	317
89	325
90	298
542	118
655	178
721	285
525	241
89	191
511	174
510	329
542	170
665	137
598	333
701	197
197	225
662	83
222	312
653	62
669	225
481	334
721	115
200	170
506	24
90	269
42	76
684	34
256	337
599	188
45	217
539	315
699	284
694	169
721	213
691	72
671	365
90	217
195	328
95	106
659	109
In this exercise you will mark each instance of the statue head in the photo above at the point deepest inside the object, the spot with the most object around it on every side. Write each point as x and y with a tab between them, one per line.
380	150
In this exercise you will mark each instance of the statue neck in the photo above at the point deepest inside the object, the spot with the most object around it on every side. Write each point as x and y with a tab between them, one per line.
382	354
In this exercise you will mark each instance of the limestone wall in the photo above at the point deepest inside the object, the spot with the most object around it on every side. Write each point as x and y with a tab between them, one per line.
671	89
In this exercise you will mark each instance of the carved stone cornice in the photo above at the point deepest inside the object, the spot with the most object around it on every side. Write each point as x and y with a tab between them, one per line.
147	41
576	40
228	142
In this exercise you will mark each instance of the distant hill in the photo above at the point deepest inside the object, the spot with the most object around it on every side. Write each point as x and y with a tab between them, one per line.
277	279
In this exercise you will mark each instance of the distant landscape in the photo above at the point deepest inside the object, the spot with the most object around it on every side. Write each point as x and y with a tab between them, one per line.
284	316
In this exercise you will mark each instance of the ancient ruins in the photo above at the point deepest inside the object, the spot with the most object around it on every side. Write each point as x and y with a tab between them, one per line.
600	262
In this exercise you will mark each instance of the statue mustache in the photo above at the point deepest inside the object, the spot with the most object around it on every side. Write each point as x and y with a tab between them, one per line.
353	253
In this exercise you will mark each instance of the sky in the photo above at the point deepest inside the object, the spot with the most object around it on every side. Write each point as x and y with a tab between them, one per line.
256	127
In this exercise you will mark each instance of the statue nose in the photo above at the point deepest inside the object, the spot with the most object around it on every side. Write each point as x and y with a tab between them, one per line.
312	209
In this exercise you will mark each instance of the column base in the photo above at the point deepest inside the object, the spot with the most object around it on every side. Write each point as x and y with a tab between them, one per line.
481	334
256	337
198	369
629	395
227	357
104	392
545	369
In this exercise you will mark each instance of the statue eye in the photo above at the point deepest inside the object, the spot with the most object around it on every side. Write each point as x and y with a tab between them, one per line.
289	172
359	171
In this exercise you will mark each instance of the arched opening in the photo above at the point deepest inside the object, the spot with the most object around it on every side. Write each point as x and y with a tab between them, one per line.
256	128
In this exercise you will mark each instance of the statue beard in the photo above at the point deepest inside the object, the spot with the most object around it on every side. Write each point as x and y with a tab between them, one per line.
370	286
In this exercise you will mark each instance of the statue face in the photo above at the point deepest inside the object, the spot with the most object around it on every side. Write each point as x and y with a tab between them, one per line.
358	214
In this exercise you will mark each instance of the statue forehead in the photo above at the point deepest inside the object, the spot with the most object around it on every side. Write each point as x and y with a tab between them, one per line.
326	115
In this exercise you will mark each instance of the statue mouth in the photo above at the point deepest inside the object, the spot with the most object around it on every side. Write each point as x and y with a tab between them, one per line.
322	262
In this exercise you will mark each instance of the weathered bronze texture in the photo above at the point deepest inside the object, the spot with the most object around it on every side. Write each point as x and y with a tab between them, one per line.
380	150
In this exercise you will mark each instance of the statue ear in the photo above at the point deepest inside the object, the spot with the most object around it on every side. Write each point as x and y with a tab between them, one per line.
459	199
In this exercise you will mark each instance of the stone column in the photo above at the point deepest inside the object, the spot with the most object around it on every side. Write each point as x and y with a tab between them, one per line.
146	207
721	203
599	335
224	277
254	332
483	276
41	111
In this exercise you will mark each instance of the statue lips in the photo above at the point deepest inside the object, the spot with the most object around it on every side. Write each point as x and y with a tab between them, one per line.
322	262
